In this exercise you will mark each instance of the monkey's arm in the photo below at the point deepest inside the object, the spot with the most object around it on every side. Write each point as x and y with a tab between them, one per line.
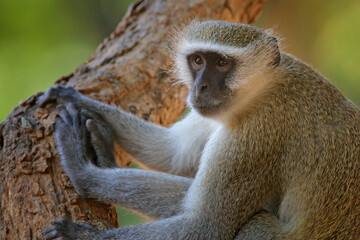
155	194
207	200
175	150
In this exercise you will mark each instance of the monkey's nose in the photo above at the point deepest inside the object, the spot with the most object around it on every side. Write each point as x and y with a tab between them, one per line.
202	87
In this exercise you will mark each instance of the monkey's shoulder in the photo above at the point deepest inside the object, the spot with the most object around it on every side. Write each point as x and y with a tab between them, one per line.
301	84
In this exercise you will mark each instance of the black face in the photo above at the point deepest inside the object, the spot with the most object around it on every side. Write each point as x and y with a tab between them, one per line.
209	93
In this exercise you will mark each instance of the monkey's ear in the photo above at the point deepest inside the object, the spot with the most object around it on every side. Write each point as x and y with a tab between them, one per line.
274	46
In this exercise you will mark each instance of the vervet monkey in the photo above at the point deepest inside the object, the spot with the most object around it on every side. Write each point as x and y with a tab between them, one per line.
270	150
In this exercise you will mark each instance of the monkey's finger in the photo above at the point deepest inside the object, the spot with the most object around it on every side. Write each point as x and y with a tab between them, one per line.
65	117
103	146
60	130
52	94
58	108
51	233
83	130
83	120
97	138
74	114
92	115
40	98
59	123
86	141
60	221
43	99
92	127
99	135
48	230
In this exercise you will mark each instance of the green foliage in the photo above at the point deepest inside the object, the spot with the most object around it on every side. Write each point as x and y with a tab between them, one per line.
127	217
339	48
42	40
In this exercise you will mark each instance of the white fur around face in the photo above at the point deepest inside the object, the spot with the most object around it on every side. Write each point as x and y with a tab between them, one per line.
186	48
251	59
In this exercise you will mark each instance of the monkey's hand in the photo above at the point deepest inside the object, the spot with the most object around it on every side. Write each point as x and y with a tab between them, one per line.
73	143
102	140
59	93
101	132
65	229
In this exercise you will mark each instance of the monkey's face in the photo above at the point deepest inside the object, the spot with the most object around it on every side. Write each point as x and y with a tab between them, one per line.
226	66
211	72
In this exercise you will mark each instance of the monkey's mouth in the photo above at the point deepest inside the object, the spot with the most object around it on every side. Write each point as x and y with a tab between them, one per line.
208	106
207	110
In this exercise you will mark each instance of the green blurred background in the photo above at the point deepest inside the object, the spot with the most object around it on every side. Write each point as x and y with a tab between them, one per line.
42	40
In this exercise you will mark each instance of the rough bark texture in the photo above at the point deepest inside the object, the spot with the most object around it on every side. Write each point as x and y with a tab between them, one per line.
125	70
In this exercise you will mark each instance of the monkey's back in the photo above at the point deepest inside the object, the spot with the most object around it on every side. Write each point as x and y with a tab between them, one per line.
320	164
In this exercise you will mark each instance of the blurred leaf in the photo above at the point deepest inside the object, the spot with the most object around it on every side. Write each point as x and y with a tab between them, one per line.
339	50
42	40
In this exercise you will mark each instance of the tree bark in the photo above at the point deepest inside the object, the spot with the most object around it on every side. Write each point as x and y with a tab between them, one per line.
126	70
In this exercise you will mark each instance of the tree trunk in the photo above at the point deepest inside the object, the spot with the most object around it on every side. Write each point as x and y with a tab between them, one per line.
125	70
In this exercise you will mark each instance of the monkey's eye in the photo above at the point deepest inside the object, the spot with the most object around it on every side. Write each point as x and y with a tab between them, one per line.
198	60
222	62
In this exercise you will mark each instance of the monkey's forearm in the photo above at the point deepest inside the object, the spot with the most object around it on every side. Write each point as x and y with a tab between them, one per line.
155	194
147	142
174	150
